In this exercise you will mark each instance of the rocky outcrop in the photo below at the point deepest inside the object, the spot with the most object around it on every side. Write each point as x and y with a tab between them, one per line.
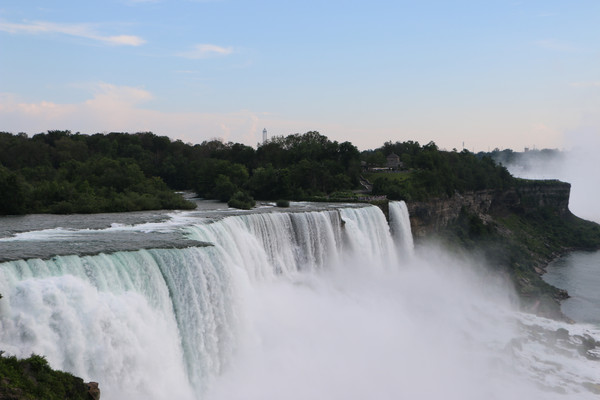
430	216
93	390
526	196
533	195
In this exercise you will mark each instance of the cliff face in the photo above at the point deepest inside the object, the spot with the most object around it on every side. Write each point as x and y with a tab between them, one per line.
532	195
430	216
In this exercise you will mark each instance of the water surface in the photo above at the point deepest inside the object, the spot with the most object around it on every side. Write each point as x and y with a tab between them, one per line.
579	274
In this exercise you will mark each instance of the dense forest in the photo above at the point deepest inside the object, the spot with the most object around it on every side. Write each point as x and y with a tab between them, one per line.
62	172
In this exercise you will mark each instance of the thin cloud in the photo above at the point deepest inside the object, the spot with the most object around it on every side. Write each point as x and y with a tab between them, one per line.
547	14
558	45
205	51
120	94
77	30
586	84
126	40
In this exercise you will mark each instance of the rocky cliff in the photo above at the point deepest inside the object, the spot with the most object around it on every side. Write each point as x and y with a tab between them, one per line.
526	196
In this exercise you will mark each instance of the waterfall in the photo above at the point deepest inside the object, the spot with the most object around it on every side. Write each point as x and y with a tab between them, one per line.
400	226
267	245
163	323
321	304
107	318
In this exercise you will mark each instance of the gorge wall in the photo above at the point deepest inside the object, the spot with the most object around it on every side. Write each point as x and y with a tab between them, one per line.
526	196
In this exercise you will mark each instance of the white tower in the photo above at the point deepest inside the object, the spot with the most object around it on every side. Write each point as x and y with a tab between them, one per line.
265	135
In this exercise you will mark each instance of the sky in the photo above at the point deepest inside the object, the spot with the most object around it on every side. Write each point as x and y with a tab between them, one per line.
486	74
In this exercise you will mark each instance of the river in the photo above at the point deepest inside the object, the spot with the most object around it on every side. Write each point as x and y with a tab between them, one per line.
579	274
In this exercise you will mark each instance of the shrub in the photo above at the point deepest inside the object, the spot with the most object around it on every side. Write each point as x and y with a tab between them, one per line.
241	200
32	378
282	203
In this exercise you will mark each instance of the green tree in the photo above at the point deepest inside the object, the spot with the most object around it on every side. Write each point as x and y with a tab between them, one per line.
224	188
13	193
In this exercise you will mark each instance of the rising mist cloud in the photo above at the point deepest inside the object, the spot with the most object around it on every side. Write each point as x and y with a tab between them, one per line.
577	165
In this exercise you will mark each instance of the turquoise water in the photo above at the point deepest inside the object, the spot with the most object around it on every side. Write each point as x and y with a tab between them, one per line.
579	274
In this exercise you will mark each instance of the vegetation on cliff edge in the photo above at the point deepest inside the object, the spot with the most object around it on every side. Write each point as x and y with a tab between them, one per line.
32	379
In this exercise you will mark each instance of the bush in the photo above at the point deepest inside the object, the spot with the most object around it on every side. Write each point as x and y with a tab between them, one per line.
224	188
32	378
283	203
241	200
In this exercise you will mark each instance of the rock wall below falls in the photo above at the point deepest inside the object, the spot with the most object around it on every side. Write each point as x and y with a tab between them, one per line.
526	196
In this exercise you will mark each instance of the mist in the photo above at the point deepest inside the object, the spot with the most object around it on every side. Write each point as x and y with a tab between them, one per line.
437	327
578	165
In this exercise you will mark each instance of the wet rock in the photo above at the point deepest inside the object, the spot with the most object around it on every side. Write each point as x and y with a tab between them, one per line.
592	387
587	343
562	334
93	390
515	344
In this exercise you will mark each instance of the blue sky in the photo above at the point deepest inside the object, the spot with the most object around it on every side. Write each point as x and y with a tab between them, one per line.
486	73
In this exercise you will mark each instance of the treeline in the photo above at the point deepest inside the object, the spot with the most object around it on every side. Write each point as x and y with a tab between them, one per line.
298	166
427	171
62	172
59	172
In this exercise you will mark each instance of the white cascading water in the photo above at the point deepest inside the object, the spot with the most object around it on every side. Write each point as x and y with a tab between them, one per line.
400	226
289	305
106	317
159	323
